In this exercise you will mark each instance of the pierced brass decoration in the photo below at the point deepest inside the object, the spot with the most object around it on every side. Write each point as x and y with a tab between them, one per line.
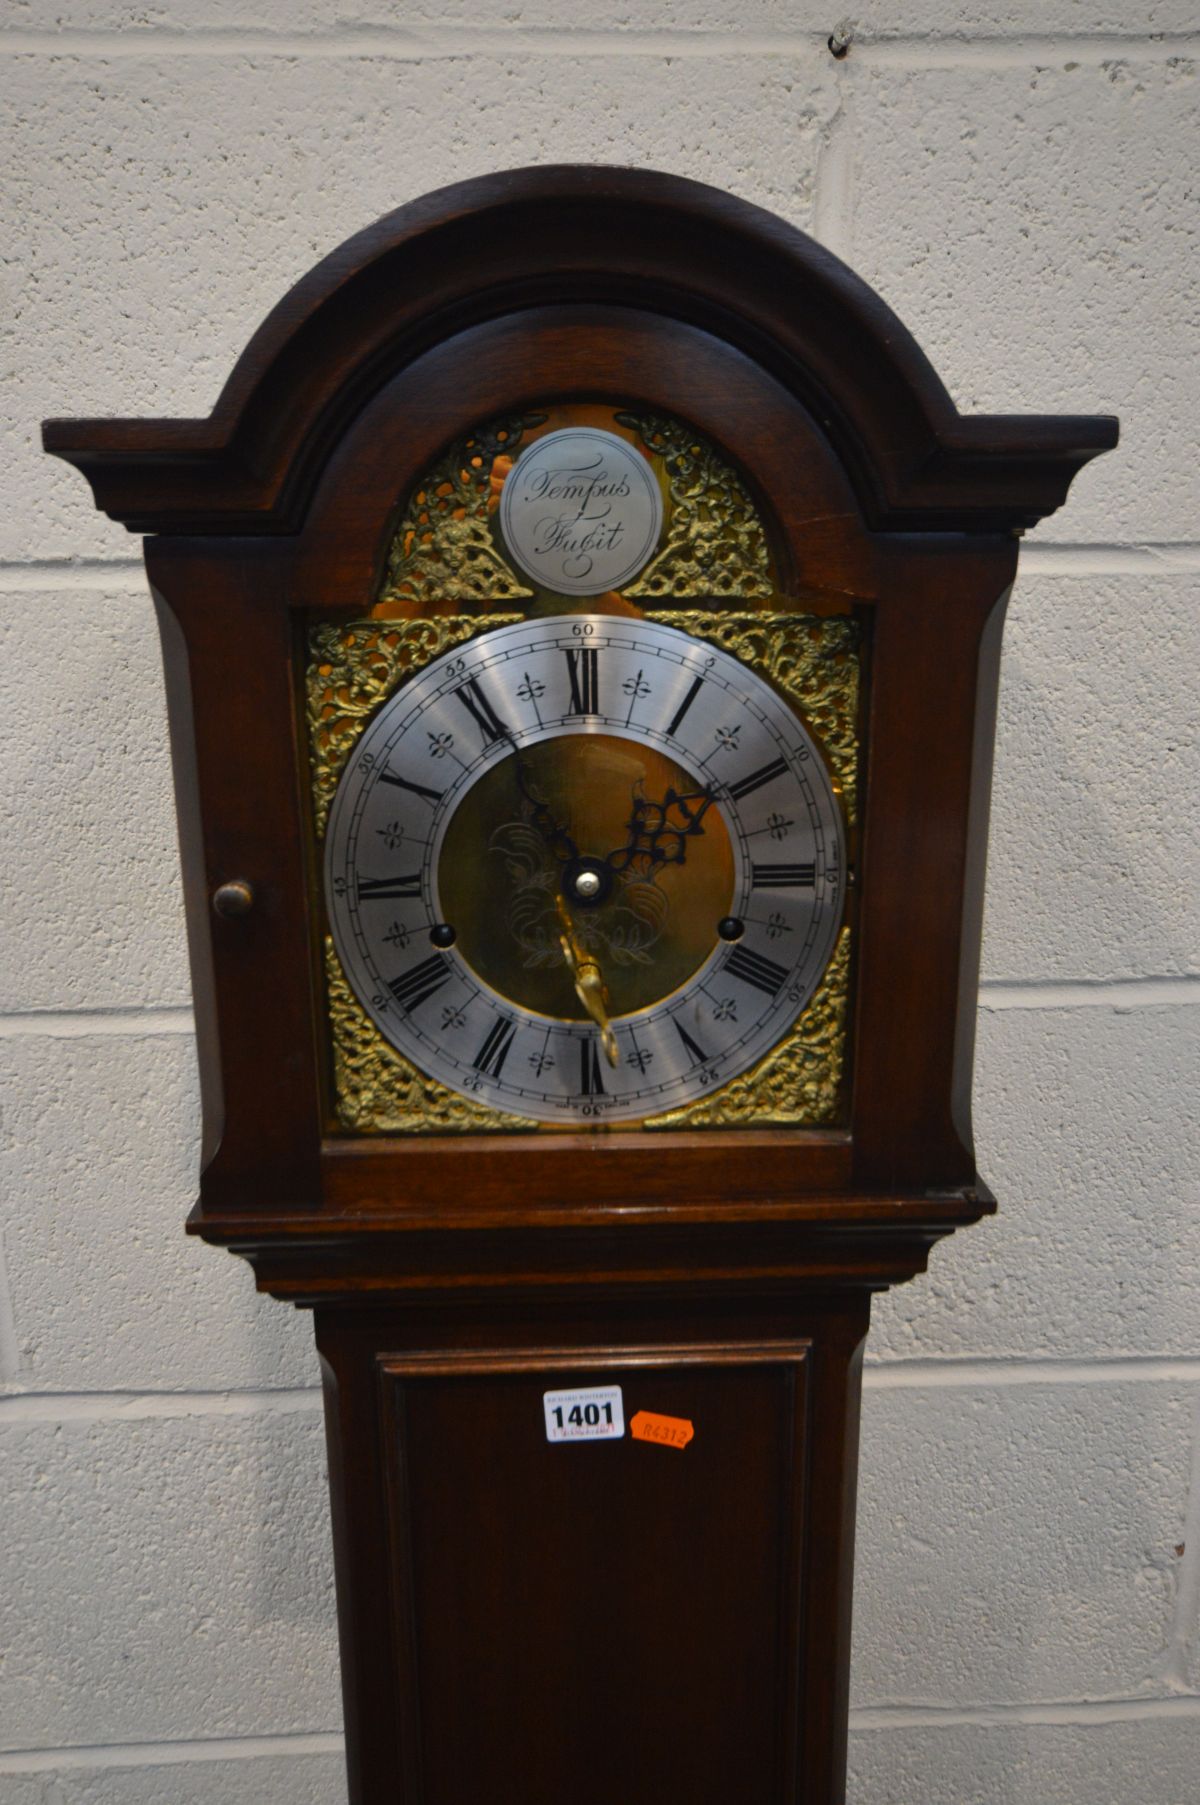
378	1091
811	659
715	545
444	552
799	1083
351	669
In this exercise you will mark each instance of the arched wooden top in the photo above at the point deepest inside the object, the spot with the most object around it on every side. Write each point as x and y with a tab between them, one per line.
553	236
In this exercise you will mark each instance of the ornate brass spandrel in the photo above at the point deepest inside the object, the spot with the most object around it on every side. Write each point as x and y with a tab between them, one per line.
378	1091
353	668
813	660
799	1083
715	544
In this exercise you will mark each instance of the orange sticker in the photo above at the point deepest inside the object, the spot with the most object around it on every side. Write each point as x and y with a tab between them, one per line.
668	1431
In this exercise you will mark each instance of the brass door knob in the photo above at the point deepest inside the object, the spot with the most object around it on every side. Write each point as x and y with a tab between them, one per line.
234	898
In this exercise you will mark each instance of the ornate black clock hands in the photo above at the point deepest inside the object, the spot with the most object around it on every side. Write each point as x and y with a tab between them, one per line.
659	831
658	835
561	845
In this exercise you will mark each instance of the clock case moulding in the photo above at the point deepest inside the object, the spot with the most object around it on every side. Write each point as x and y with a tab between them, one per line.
484	298
477	1262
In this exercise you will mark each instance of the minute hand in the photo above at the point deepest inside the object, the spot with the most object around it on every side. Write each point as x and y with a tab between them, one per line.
561	845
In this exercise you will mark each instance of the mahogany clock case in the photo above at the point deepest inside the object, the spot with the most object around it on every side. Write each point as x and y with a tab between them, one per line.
489	298
615	1620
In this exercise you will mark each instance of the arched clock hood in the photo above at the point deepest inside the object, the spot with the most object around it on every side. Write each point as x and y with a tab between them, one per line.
486	248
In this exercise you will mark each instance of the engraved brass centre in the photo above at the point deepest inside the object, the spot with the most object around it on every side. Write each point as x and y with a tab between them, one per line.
586	799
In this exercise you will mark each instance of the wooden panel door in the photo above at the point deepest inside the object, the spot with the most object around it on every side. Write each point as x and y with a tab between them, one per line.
607	1620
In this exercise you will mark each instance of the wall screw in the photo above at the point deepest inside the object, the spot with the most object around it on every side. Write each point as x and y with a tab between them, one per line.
841	38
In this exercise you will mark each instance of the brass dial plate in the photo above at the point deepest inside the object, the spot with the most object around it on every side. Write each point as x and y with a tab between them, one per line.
515	691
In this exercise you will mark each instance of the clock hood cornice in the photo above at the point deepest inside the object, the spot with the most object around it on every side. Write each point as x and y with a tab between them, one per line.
503	243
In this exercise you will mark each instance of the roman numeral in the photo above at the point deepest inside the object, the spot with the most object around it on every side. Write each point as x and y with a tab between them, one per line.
756	779
418	789
590	1082
583	670
391	889
485	716
698	1054
494	1051
784	877
752	968
412	989
685	705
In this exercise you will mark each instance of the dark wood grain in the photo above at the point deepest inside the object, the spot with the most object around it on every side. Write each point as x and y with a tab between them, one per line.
928	604
605	1620
231	685
615	1622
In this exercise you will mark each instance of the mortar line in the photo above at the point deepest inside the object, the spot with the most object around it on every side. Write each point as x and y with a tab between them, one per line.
953	1373
1002	1372
1149	558
140	1021
918	51
1082	1712
995	50
1089	993
170	1753
91	1024
20	576
1040	557
47	1407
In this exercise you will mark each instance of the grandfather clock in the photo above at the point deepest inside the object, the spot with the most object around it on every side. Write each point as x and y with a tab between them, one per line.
581	617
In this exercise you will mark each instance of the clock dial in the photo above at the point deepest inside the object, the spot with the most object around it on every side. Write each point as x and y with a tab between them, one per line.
585	868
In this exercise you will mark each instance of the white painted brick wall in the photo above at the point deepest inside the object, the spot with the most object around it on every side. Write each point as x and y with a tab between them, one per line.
1018	181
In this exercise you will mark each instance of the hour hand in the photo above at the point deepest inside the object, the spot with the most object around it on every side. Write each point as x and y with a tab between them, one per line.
589	982
553	832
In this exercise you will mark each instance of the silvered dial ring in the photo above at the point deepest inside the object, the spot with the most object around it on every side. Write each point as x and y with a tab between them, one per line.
584	745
